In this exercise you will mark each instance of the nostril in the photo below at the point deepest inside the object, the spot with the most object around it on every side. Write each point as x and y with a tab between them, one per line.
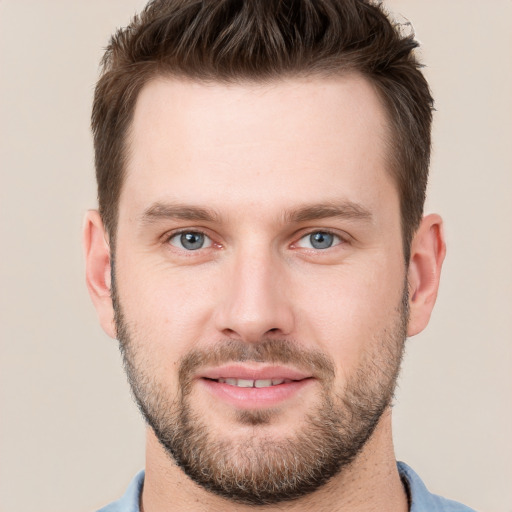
229	333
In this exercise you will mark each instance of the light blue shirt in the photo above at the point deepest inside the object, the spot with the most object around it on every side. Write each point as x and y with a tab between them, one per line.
421	499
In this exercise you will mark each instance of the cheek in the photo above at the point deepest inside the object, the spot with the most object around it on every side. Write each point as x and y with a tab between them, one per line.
356	307
169	308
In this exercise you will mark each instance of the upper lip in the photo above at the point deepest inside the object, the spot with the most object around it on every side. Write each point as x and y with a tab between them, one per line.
239	371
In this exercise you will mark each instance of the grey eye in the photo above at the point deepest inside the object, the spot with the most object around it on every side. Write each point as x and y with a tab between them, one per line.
319	240
190	240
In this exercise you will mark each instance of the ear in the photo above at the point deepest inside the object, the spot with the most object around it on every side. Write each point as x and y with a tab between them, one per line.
428	250
98	270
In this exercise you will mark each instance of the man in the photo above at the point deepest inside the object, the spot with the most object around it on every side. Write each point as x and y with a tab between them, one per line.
260	250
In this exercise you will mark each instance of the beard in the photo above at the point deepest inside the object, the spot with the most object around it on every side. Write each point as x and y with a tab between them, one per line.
253	467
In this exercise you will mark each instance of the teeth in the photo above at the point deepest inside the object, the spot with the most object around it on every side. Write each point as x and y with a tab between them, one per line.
243	383
262	383
247	383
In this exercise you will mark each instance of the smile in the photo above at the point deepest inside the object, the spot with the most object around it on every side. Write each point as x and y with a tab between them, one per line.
254	387
249	383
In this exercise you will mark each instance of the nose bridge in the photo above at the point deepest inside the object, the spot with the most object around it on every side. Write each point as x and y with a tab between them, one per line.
256	302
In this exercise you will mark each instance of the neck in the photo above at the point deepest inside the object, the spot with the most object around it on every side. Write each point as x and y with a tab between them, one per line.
370	483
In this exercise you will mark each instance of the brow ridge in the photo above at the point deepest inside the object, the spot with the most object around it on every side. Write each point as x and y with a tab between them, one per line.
158	211
345	209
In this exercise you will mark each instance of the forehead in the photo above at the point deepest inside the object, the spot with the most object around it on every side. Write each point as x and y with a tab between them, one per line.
256	143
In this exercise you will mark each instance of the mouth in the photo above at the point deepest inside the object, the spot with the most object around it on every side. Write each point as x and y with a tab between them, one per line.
246	387
252	383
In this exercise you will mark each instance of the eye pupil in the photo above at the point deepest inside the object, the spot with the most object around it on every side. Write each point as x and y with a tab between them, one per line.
192	241
321	240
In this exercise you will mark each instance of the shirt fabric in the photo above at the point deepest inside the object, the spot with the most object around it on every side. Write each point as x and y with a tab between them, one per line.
421	500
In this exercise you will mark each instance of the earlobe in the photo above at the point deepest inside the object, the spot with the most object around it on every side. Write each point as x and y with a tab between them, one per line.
428	250
98	269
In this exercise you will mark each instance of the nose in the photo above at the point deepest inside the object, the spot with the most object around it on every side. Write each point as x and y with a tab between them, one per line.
255	298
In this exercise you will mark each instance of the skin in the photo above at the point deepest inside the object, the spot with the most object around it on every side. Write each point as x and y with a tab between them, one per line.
256	155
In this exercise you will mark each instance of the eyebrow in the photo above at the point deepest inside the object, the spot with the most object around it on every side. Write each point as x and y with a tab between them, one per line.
344	210
162	211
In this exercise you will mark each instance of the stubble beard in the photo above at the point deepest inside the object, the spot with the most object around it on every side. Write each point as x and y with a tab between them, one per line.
258	469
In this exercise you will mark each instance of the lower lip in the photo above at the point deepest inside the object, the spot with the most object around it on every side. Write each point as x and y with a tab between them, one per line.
255	398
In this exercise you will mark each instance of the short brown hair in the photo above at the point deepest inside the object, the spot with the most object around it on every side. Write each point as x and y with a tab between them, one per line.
260	40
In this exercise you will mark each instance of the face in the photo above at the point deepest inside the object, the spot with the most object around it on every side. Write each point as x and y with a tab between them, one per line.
259	279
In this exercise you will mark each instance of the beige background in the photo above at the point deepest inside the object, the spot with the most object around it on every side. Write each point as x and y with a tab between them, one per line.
70	438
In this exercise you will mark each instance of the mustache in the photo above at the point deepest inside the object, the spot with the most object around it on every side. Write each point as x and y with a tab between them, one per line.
272	351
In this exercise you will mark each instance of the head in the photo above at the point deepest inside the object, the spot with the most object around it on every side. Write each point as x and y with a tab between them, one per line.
261	172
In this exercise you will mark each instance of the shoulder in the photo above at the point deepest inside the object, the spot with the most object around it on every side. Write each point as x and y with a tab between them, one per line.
131	498
421	499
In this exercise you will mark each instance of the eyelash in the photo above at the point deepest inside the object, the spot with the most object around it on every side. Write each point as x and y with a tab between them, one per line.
341	240
175	234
